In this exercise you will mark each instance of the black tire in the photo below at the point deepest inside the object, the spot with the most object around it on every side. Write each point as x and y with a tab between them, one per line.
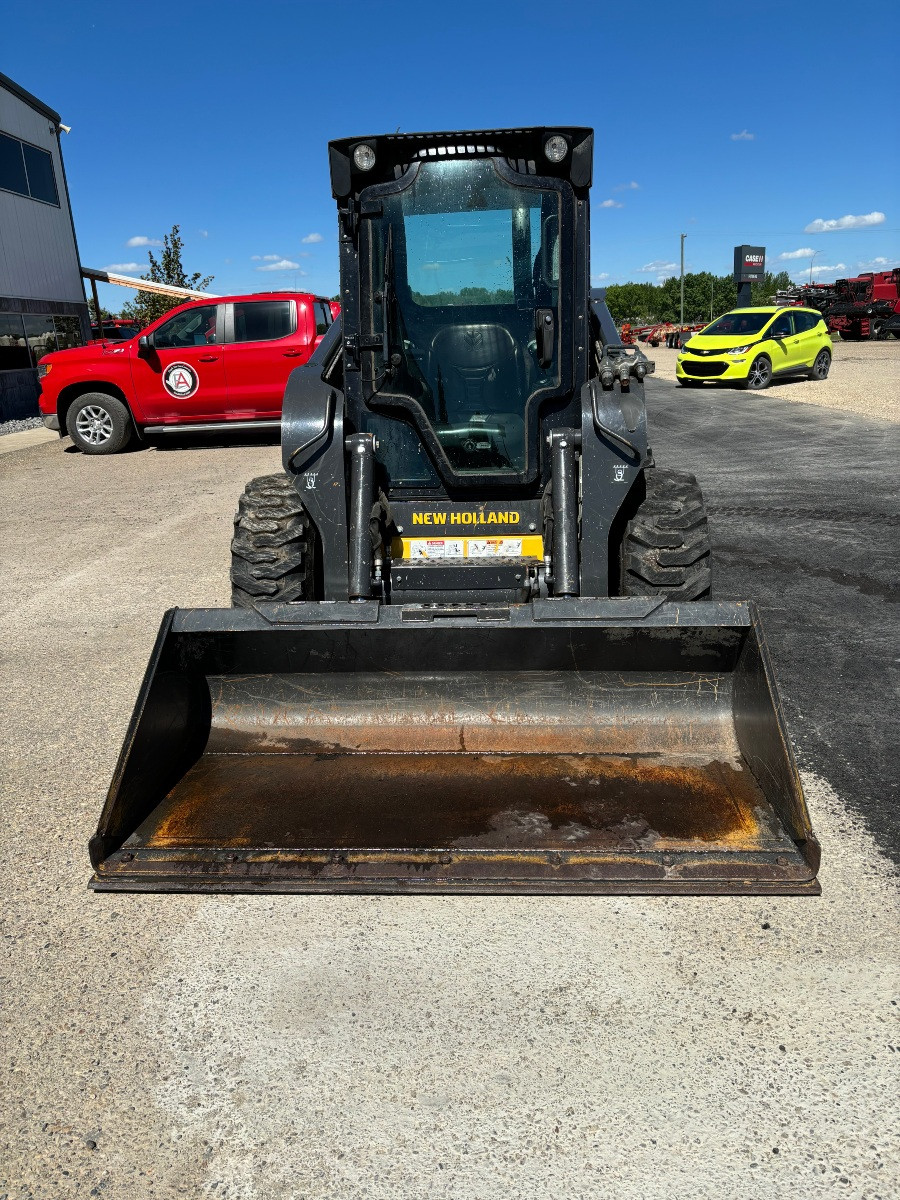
821	367
98	423
272	551
759	374
665	548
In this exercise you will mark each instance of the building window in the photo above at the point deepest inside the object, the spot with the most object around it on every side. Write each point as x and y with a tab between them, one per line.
27	170
14	354
68	333
40	332
27	337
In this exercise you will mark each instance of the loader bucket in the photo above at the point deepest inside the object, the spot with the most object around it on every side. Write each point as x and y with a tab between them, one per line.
622	746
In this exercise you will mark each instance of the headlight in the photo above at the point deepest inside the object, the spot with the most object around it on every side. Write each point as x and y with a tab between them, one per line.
44	369
738	349
364	157
686	349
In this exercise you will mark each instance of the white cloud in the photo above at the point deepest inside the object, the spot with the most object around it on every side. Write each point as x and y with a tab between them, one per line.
311	239
804	273
609	204
658	264
279	264
599	278
125	268
433	266
143	241
848	222
204	233
744	136
265	257
878	264
805	252
627	187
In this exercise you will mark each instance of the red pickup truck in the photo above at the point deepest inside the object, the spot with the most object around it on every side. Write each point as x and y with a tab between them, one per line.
209	364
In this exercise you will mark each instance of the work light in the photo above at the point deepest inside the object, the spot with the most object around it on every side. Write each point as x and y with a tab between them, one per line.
364	157
556	148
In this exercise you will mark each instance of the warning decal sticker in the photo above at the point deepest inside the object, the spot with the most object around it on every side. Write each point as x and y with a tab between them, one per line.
180	380
494	547
436	548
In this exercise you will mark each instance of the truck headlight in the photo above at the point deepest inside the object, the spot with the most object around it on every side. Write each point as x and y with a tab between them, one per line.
44	369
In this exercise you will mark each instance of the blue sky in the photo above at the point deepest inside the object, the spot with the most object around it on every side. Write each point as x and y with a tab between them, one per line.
767	123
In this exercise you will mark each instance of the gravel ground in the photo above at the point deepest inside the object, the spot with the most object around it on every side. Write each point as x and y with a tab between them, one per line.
864	379
21	425
316	1047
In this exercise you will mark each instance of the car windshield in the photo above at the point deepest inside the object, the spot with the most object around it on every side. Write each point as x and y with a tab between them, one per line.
462	262
738	323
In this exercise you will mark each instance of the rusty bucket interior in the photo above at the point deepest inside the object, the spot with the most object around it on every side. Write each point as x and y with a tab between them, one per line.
550	748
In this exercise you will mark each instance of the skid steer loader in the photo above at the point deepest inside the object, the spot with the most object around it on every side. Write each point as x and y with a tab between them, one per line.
472	646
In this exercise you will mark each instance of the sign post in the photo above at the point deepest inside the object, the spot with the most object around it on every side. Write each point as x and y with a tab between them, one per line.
749	268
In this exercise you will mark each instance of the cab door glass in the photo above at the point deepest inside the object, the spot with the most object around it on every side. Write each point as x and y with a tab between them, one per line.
193	327
263	320
464	274
323	317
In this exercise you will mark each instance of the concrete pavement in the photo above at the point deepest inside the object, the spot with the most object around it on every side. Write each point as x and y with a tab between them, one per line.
287	1047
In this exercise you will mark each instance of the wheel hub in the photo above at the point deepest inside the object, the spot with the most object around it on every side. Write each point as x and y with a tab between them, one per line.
94	425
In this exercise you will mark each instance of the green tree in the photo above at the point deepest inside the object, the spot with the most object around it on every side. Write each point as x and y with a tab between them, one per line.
168	268
104	312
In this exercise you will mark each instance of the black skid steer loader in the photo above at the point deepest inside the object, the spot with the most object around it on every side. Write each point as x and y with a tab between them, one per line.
473	646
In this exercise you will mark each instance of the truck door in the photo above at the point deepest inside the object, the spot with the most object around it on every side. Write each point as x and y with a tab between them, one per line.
181	377
267	339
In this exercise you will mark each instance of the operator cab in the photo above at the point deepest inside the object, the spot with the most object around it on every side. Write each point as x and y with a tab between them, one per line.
462	335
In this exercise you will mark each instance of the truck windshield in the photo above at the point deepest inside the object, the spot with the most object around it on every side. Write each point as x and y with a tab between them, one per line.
461	262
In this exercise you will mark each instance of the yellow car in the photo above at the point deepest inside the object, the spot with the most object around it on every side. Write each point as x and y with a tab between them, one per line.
752	346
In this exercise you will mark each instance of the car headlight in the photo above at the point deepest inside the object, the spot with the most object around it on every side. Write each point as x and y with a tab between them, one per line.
738	349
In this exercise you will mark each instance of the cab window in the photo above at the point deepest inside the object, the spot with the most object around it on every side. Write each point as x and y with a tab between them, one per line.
323	317
193	327
263	320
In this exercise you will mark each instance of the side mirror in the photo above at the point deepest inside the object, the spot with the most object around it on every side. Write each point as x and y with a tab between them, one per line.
143	344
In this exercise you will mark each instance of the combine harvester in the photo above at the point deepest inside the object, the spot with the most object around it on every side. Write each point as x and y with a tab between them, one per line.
472	647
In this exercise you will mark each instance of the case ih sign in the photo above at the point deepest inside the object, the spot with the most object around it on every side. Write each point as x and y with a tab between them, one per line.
749	264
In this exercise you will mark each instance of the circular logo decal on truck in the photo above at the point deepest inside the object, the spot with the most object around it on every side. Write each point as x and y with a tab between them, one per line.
180	380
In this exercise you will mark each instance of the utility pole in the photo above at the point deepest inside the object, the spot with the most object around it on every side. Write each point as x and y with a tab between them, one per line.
683	236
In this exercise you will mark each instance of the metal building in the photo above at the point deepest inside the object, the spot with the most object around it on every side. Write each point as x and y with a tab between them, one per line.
42	302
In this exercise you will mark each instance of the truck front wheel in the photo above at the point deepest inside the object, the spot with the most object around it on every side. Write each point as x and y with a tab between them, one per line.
99	424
